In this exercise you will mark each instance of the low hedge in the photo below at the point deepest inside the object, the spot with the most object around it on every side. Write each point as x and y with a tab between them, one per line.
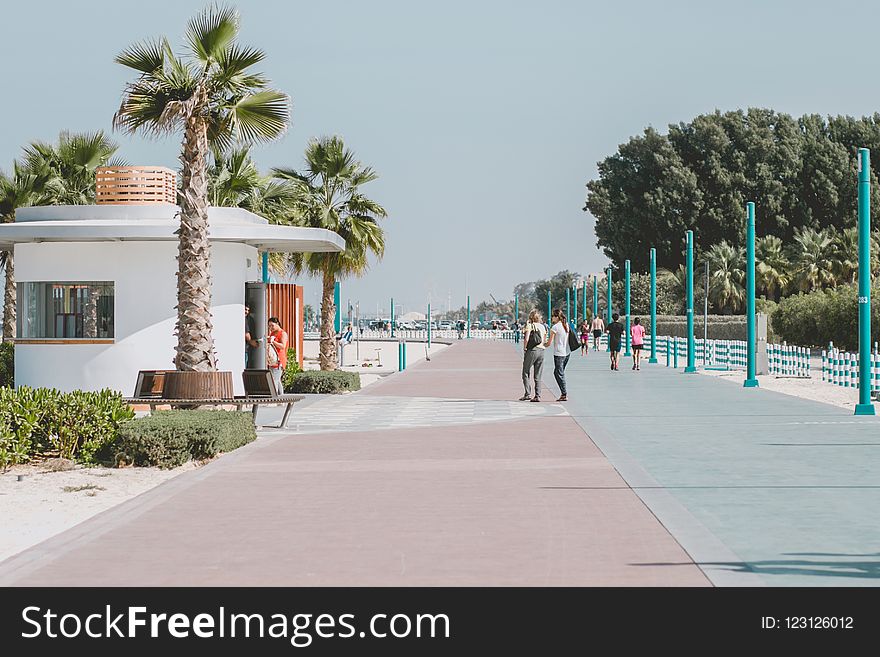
318	381
823	316
290	371
170	438
72	425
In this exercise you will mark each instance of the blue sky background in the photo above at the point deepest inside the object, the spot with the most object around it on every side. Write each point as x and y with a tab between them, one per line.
484	119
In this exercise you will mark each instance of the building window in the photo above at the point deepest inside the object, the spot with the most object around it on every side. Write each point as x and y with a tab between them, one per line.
70	311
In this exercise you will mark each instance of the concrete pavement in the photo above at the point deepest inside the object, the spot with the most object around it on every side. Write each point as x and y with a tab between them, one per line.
492	495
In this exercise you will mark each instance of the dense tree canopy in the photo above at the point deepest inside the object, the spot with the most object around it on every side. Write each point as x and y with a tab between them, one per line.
801	173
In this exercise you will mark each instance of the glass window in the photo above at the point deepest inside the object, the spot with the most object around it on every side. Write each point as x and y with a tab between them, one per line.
66	310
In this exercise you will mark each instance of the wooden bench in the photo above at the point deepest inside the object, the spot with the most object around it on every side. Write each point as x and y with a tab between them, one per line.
258	385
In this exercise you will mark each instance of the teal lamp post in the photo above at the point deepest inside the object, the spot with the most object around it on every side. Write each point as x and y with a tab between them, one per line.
392	317
608	309
548	306
751	380
653	358
691	353
568	303
864	407
572	319
585	300
595	296
626	306
429	325
469	317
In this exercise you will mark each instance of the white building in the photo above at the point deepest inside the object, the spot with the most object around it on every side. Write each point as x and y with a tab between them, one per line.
97	288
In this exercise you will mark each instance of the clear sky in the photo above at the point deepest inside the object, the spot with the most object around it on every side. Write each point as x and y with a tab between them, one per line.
484	119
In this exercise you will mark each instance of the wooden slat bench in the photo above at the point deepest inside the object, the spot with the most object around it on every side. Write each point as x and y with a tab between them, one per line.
258	385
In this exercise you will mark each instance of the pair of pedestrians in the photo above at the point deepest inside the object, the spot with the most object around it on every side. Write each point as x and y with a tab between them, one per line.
536	339
615	330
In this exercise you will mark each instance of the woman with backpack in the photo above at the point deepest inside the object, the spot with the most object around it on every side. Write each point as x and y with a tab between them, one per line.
534	336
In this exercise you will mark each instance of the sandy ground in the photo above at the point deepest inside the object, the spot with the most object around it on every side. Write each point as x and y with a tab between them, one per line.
813	388
48	502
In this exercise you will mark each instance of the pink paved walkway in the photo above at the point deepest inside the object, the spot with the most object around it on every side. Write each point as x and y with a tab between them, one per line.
520	502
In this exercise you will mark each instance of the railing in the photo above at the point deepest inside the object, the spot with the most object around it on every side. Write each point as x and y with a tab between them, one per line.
135	186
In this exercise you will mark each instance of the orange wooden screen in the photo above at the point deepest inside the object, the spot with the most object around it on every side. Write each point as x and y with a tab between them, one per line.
135	185
285	302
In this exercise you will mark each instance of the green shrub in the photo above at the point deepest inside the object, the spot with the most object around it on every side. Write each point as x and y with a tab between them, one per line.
73	425
7	364
290	371
823	316
169	438
333	382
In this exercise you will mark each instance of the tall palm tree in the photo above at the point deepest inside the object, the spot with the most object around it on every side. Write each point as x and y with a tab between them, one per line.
846	255
214	98
772	268
17	190
67	170
235	181
726	277
813	259
330	198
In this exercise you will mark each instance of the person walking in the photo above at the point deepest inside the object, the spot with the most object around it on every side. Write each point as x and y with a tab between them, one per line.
559	339
637	332
585	337
250	332
598	326
278	343
534	336
615	331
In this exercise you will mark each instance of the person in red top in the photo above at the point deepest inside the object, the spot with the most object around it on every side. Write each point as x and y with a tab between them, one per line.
638	340
279	341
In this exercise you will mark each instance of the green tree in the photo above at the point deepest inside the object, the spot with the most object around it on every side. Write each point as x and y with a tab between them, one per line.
800	173
216	99
812	255
772	268
17	190
645	196
329	197
66	170
726	277
557	285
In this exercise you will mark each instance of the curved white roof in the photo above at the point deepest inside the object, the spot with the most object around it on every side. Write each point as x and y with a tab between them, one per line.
156	223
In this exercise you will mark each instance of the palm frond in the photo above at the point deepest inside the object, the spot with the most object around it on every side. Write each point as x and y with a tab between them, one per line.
211	32
259	117
145	56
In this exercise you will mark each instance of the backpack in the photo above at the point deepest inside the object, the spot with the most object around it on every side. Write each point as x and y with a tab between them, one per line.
573	343
271	356
534	337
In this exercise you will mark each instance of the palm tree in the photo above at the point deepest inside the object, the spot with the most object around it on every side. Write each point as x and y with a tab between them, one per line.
330	198
18	190
846	255
726	277
813	259
67	170
772	268
235	181
217	101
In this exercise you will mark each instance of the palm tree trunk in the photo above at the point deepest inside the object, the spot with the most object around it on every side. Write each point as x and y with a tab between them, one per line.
328	333
195	341
9	299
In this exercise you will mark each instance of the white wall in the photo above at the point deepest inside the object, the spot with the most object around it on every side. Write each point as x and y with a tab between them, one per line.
145	297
